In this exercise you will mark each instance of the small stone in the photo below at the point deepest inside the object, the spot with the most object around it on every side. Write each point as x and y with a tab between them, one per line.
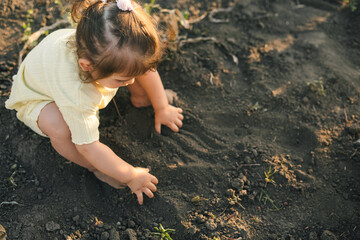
76	218
114	235
247	159
222	224
131	224
327	235
200	218
230	192
105	236
52	226
211	225
305	100
147	233
357	143
131	234
192	230
255	153
243	192
237	183
313	236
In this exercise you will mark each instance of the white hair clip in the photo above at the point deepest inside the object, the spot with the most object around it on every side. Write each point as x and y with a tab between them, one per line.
104	1
124	5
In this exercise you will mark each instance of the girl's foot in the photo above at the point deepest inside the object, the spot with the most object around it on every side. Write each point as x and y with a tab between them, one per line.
109	180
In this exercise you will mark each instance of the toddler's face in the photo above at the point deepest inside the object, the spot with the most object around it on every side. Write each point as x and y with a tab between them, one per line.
115	81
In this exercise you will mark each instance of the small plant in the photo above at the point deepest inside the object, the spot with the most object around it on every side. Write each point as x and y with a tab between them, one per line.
317	87
269	178
352	4
12	180
64	11
197	200
162	233
148	7
234	200
27	25
266	198
253	108
186	14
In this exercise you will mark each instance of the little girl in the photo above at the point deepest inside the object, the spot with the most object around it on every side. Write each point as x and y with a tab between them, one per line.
71	74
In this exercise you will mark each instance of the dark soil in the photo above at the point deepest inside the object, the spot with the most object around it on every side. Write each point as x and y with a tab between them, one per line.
276	93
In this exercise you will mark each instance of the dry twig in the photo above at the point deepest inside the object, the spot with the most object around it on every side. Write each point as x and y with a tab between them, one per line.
195	40
219	10
9	203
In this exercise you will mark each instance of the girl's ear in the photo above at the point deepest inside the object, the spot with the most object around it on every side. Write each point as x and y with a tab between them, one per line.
85	64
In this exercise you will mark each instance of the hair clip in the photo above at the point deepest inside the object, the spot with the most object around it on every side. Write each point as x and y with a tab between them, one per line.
124	5
104	1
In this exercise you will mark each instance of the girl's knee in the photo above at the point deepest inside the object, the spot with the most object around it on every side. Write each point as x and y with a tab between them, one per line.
52	123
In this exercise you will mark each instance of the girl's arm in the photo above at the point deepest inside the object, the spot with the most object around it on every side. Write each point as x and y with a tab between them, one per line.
164	113
107	162
151	82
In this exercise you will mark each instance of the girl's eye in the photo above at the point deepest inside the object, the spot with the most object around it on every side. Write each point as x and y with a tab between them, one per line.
123	81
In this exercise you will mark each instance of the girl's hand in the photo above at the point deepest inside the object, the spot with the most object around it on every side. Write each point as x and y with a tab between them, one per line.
143	182
169	116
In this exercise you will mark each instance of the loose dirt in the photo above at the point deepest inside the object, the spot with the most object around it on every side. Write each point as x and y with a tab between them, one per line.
268	148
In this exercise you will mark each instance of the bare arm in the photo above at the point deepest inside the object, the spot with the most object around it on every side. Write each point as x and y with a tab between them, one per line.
106	161
151	82
164	113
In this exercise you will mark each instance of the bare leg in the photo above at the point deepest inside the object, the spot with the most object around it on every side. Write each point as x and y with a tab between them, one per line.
52	123
138	97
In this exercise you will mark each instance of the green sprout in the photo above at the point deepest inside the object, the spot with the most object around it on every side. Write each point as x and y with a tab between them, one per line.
317	87
352	4
255	107
269	178
64	11
197	200
186	14
234	200
12	180
266	198
162	233
27	25
148	7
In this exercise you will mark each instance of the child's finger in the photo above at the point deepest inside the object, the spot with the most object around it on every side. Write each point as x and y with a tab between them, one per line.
158	127
173	127
140	197
148	193
178	122
179	110
154	180
181	117
152	187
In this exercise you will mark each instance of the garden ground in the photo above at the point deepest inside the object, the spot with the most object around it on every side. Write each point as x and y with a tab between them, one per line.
268	148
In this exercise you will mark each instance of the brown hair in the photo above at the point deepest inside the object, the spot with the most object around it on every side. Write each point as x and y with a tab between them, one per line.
116	41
